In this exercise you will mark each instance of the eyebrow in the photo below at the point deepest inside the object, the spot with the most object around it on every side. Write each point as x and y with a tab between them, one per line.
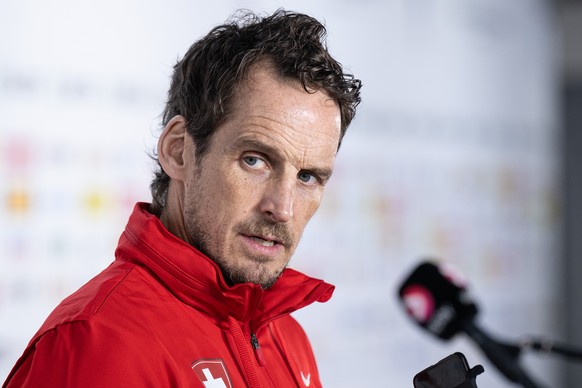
323	173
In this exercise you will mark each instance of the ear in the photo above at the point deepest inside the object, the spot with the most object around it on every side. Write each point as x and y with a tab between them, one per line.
173	148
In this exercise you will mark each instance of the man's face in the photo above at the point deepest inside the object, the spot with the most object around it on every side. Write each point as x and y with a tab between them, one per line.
262	179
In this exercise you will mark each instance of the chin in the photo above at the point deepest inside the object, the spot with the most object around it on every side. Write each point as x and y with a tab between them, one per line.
260	276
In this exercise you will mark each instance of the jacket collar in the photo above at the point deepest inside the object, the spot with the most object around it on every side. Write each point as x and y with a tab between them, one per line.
197	281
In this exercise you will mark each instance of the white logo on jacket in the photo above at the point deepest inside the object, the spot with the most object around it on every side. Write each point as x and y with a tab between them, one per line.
306	379
212	373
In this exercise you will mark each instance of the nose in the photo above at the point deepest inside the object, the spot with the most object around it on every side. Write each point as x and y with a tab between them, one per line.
278	199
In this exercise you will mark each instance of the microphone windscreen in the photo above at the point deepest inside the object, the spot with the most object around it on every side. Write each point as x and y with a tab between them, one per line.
437	300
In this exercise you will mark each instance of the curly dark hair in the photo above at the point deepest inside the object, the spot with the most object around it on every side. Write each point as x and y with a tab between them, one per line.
206	78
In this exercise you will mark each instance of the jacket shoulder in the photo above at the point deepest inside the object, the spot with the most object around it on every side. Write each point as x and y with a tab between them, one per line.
87	300
77	341
84	354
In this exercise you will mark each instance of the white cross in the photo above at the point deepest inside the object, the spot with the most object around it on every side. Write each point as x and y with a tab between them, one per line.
211	382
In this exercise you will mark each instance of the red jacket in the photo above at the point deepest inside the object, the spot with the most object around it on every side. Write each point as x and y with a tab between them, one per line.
161	315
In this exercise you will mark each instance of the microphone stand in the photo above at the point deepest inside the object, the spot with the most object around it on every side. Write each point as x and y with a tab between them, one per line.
548	346
505	357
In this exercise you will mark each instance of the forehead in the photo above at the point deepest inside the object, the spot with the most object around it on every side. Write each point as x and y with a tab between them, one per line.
281	112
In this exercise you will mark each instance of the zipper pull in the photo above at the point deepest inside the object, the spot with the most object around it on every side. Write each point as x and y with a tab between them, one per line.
257	349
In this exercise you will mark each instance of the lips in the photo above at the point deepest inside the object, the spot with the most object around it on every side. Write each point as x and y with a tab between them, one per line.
262	249
263	241
267	235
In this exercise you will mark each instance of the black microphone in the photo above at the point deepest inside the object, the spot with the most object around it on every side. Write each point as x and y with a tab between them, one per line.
436	298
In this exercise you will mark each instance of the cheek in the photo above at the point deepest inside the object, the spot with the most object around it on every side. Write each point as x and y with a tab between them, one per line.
235	196
308	204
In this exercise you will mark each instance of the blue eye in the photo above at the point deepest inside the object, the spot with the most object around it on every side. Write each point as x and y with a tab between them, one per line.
254	162
251	160
305	176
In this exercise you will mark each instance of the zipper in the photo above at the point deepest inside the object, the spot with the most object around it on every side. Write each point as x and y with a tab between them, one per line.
257	348
246	356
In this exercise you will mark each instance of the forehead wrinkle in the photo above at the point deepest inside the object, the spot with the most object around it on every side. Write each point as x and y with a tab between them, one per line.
287	127
278	130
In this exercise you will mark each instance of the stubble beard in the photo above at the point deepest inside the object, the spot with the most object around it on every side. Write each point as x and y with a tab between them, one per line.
255	269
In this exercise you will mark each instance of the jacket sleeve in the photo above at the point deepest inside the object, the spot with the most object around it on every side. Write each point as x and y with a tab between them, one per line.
84	354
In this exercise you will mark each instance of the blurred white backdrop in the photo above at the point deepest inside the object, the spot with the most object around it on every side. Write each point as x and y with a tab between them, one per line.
453	154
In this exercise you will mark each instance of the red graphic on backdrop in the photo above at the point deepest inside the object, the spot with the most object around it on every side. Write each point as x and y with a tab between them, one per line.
419	302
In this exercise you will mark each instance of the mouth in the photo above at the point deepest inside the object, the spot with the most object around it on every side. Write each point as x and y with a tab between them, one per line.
264	241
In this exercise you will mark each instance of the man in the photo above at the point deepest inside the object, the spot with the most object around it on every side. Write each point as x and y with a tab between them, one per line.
199	294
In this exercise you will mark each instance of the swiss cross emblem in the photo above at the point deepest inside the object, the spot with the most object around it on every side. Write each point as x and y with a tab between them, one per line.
212	373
